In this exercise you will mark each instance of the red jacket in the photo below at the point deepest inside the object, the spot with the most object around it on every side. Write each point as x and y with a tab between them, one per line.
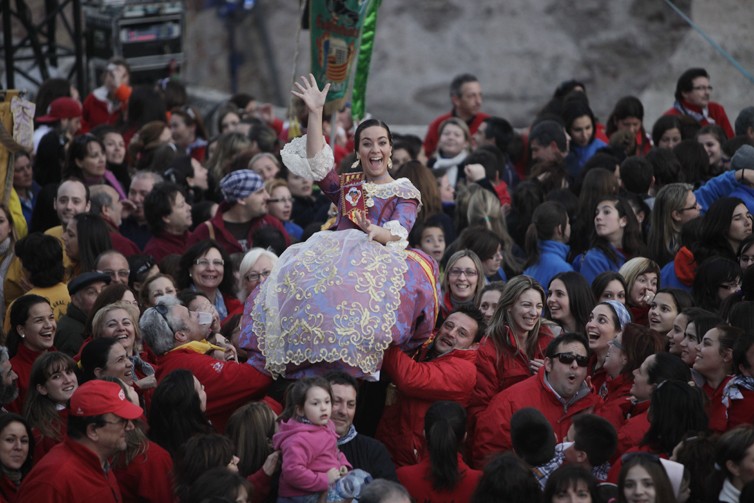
633	430
715	111
148	478
8	490
70	472
165	244
95	107
742	410
418	484
716	411
228	384
493	427
21	363
419	384
433	133
494	372
215	229
616	404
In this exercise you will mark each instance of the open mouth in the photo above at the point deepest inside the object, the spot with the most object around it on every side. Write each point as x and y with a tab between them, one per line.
593	336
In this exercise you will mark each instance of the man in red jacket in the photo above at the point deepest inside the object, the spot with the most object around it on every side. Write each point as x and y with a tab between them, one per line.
558	391
178	340
466	96
443	369
692	99
78	469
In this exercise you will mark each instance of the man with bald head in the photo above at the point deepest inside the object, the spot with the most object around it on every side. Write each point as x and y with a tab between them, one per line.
106	203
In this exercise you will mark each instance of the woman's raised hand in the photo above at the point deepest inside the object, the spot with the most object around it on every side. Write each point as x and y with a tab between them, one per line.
310	94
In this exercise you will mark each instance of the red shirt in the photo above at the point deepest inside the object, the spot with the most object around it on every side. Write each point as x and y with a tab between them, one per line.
716	411
21	363
433	131
148	477
228	384
418	484
71	473
164	244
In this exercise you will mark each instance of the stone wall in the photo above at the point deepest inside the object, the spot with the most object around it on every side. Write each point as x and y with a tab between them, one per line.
519	49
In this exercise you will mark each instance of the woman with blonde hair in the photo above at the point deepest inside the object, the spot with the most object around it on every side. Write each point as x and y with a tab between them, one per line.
228	146
484	209
642	277
674	205
514	347
462	282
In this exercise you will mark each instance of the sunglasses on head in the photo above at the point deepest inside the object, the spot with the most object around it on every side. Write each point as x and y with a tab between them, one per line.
568	358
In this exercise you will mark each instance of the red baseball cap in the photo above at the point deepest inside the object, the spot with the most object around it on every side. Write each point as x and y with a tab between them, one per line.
95	397
62	108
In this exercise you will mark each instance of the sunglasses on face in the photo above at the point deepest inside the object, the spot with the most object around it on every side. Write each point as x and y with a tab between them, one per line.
569	358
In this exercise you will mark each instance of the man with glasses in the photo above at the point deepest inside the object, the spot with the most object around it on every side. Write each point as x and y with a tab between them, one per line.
178	340
444	369
558	391
78	469
84	290
692	99
114	264
240	215
169	218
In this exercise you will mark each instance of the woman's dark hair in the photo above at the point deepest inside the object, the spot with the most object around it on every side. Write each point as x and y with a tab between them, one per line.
422	178
145	105
526	197
665	166
712	273
715	227
507	478
685	82
570	477
367	124
173	92
191	117
95	355
39	409
175	414
668	367
694	159
216	485
605	278
581	300
681	298
665	123
544	222
661	482
78	149
479	240
628	106
697	454
50	90
8	418
572	110
633	244
251	428
444	429
676	408
703	321
638	343
598	183
201	453
183	278
159	204
42	257
93	239
740	316
733	445
19	314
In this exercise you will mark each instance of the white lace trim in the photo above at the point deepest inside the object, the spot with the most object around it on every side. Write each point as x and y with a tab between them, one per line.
396	229
316	168
401	187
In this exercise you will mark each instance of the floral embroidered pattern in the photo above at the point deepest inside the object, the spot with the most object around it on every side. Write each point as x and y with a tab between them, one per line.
401	188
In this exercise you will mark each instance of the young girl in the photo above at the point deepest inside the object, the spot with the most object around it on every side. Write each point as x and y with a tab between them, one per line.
307	440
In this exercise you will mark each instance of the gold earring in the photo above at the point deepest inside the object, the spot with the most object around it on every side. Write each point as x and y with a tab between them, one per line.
389	164
356	162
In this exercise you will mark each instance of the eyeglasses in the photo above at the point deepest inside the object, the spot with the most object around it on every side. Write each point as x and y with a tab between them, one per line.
694	206
702	88
162	309
281	200
121	421
569	358
120	273
470	273
203	262
256	276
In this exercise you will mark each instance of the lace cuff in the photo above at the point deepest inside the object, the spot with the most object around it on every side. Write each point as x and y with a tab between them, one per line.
316	168
396	229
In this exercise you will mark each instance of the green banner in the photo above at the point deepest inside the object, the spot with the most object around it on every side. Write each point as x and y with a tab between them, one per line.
358	97
335	31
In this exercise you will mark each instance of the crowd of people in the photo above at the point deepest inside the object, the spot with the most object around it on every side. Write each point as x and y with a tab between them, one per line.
231	311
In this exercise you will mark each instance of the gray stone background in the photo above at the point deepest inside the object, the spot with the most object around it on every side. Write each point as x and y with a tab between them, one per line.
519	49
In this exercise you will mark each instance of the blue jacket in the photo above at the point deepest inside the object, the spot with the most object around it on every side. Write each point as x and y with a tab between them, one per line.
578	156
595	262
669	279
715	188
552	260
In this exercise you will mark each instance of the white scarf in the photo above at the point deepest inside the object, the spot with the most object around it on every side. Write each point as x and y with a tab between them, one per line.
451	164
